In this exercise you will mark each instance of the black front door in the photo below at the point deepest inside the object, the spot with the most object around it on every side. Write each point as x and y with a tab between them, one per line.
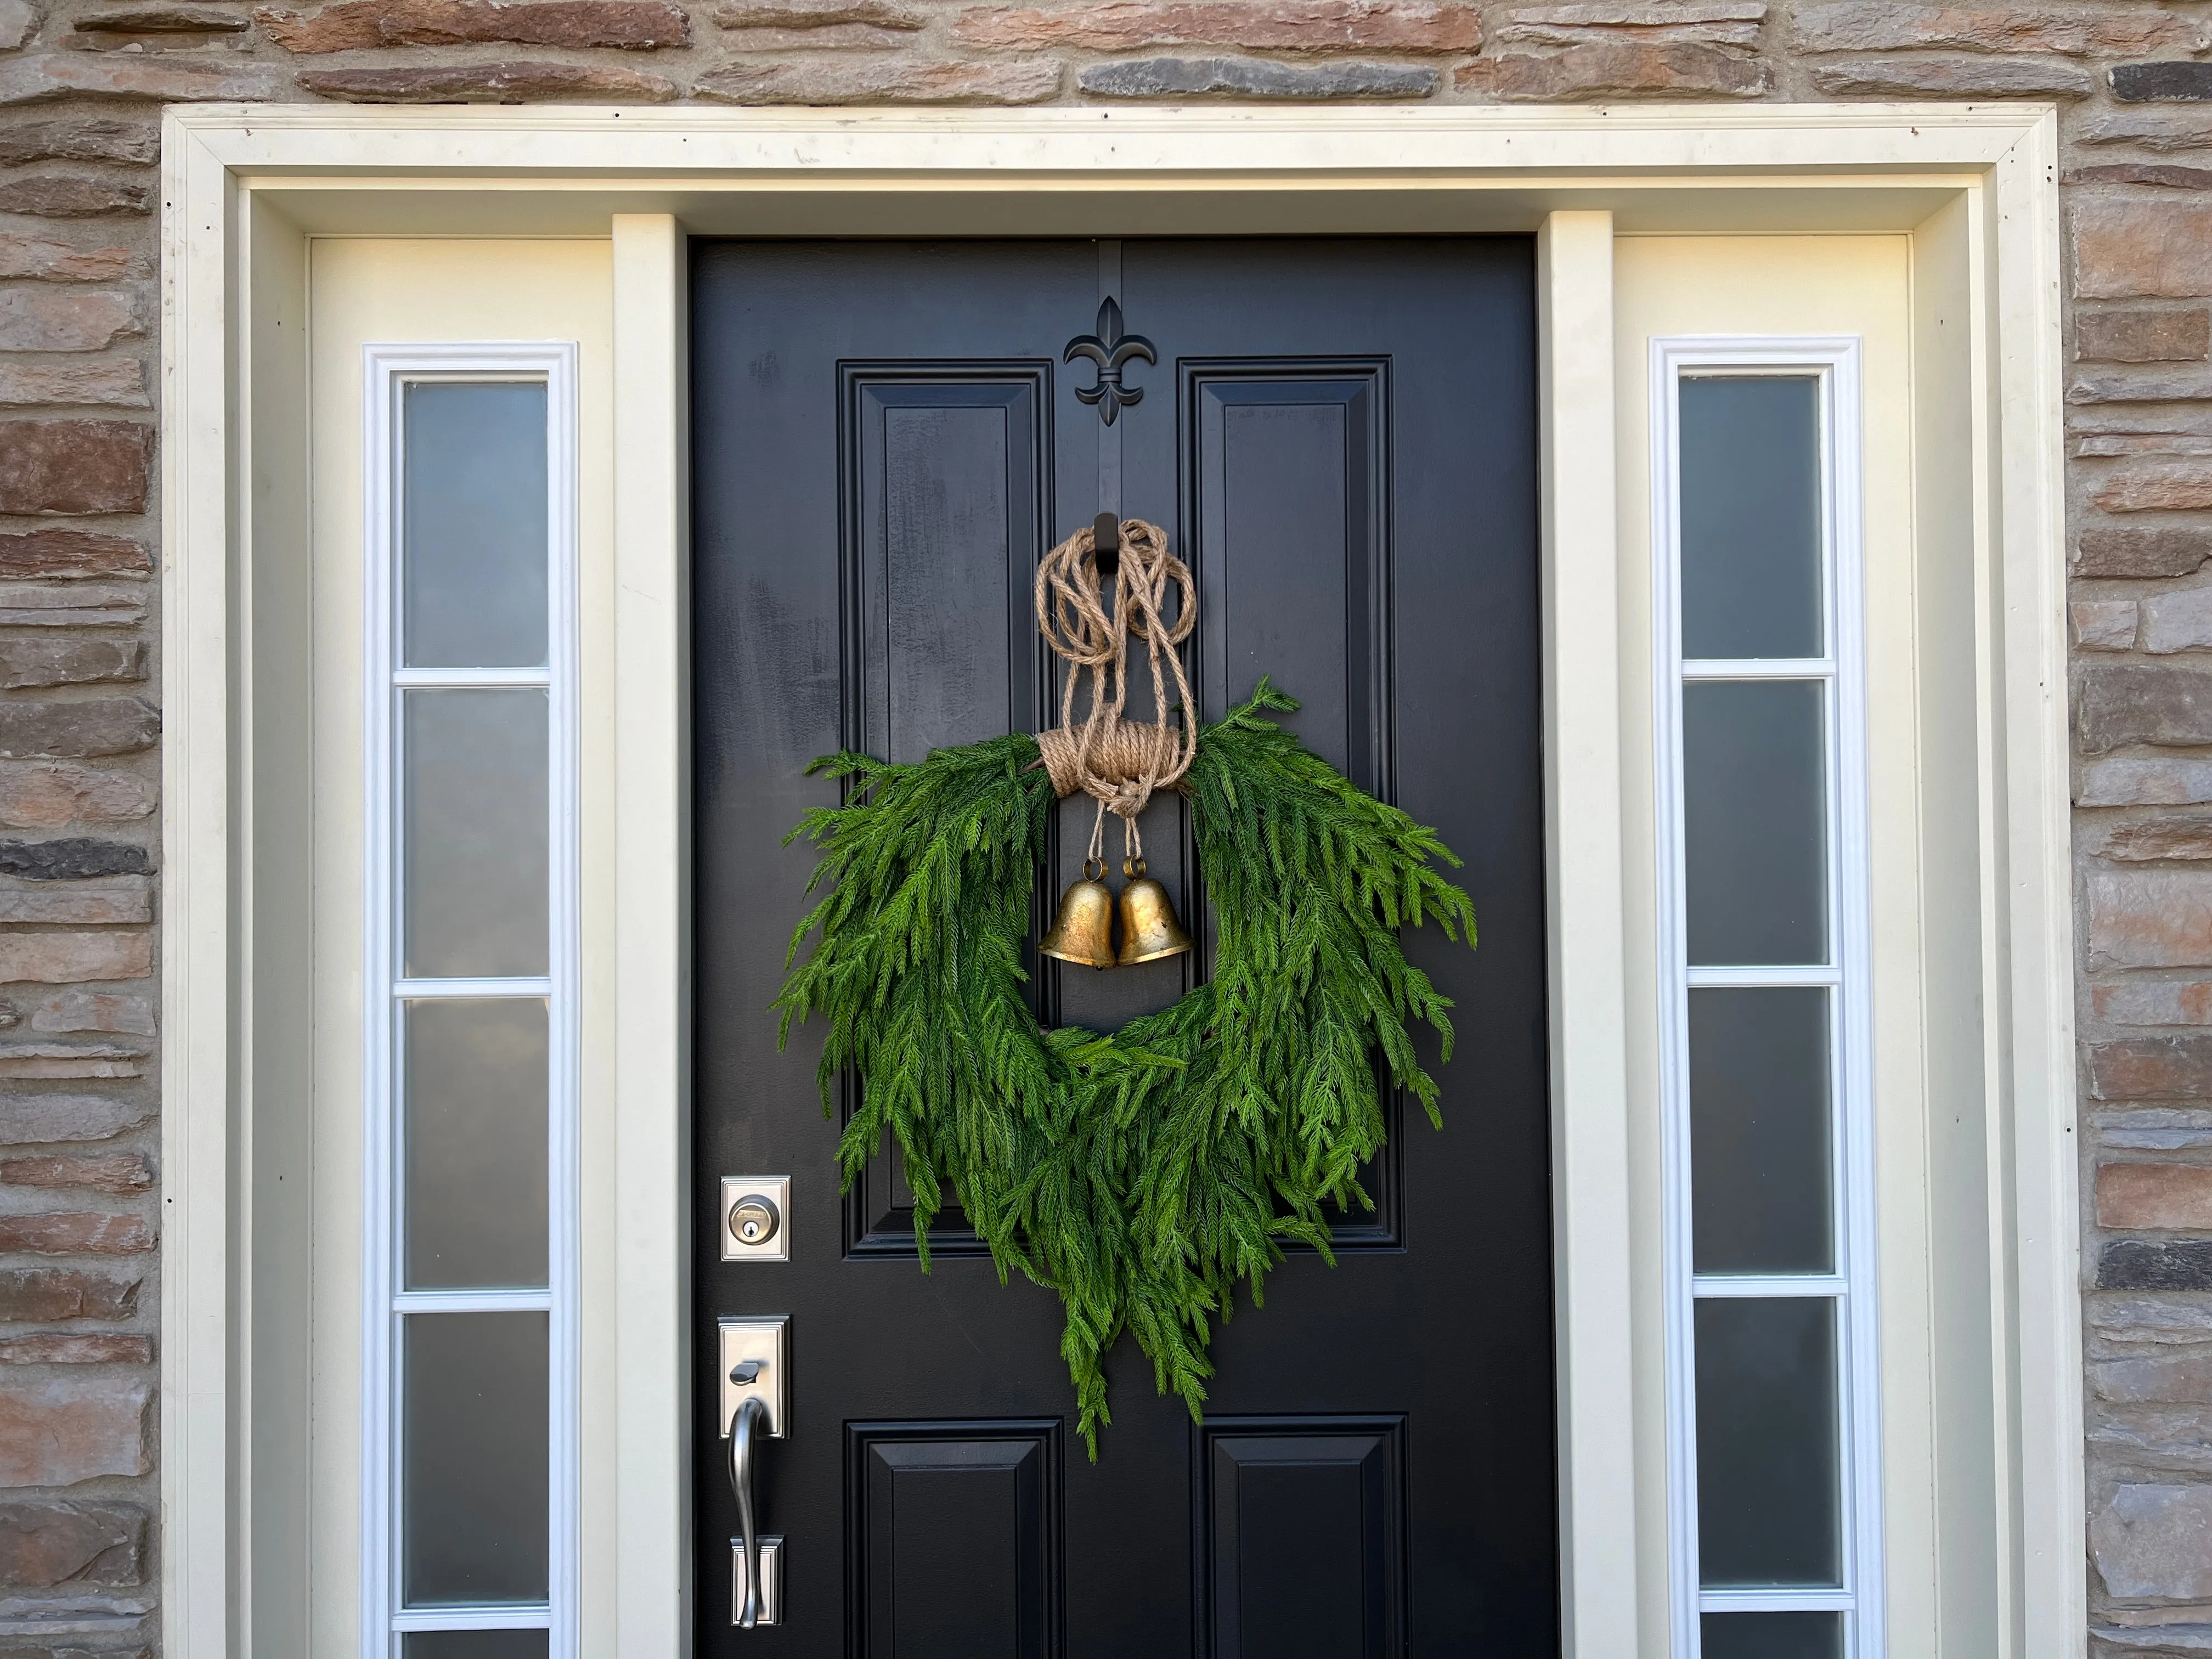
1340	436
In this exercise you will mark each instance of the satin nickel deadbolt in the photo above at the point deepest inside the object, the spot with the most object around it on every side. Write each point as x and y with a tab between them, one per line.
755	1212
753	1219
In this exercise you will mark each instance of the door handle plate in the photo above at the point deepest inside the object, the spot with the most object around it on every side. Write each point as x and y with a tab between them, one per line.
766	1340
771	1602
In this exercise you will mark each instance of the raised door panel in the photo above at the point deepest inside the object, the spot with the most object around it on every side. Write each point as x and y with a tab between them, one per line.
1301	1538
945	472
954	1549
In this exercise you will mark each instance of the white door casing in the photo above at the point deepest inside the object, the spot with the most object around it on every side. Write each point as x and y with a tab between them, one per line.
249	636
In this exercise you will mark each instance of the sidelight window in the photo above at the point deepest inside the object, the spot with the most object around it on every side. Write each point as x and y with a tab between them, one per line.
469	1485
1765	1016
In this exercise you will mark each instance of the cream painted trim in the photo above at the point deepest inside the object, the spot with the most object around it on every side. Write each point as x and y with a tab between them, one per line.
1591	1236
243	185
652	1538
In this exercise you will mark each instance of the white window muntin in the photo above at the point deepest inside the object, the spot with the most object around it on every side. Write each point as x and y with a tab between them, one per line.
1834	363
387	371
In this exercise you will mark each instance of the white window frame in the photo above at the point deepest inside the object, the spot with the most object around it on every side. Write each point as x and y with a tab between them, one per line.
1834	362
386	371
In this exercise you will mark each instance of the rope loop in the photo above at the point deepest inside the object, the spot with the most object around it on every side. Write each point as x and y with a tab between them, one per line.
1117	763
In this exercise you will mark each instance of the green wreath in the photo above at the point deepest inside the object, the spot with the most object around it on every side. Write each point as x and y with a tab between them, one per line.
1141	1173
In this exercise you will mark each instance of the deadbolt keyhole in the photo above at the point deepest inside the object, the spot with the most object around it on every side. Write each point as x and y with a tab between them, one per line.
753	1218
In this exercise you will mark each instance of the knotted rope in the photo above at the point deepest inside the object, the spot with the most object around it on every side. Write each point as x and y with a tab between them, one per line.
1117	763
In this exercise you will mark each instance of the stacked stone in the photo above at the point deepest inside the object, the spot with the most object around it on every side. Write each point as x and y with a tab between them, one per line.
78	794
80	83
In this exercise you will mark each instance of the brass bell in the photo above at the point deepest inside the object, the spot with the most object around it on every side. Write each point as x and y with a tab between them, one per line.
1149	929
1084	930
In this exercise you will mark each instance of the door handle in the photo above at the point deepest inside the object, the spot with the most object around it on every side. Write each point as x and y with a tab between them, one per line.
751	1413
756	1405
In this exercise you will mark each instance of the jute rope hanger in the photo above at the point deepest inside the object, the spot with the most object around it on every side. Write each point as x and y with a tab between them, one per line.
1118	763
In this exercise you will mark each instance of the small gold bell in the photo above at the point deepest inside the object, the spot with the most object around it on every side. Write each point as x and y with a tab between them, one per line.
1149	929
1084	930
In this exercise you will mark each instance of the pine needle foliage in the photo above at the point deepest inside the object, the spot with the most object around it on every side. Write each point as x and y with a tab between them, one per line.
1141	1174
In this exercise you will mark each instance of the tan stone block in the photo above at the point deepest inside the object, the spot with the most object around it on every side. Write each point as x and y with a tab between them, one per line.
46	1545
1254	77
45	1294
2151	1068
2158	174
2178	622
74	466
81	138
122	1173
72	660
1625	68
2154	1542
67	958
77	1348
2142	550
74	196
53	75
1955	77
58	1433
2143	337
884	81
805	15
77	731
49	1120
2143	1197
2118	704
95	1010
1883	26
1299	25
50	1060
2173	486
63	320
2159	838
353	25
78	1232
2154	1002
2150	918
44	260
45	795
2150	783
71	605
2143	1381
2164	130
119	902
2104	624
1575	24
56	551
519	83
114	383
2129	250
2141	387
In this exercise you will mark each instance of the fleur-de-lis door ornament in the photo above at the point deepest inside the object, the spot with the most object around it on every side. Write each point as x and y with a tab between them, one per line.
1111	349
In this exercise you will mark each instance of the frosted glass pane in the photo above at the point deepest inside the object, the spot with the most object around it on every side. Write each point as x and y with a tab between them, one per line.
475	1136
474	861
473	1644
1768	1486
1751	517
474	1487
1759	1130
1755	808
473	532
1766	1635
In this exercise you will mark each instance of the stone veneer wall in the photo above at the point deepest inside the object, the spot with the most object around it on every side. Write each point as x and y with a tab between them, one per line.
80	83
